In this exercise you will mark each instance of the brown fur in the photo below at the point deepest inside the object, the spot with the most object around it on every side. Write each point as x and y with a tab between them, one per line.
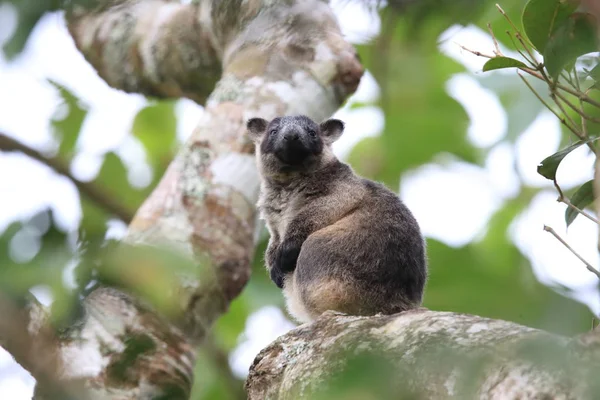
338	241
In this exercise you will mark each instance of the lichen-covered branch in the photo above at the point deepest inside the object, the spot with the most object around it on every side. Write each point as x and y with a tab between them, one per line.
36	350
427	355
158	48
273	58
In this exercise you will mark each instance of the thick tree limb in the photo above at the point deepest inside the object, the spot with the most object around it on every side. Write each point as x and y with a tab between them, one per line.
276	58
37	349
88	189
425	354
159	48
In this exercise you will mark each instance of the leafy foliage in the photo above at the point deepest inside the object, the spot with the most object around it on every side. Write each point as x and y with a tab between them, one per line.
408	100
67	123
502	62
156	127
573	39
583	197
29	12
541	19
549	165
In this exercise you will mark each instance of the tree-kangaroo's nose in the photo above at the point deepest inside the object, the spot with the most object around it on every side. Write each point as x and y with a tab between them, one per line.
291	135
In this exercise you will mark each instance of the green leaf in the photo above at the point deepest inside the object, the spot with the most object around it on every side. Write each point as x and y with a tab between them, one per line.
410	136
156	127
583	197
473	271
29	13
541	17
499	24
574	38
547	168
113	178
45	267
93	219
68	125
594	73
502	62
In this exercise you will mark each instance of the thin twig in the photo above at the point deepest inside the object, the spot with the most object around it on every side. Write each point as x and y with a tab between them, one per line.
578	110
587	264
558	189
496	45
567	78
533	72
532	62
579	95
535	62
510	21
568	203
563	120
522	40
563	199
575	130
91	190
583	115
506	17
477	53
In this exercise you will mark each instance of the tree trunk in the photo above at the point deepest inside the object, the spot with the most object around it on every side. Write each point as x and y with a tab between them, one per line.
422	354
273	58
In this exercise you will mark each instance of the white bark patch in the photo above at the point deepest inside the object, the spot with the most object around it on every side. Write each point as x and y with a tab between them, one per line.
519	382
283	90
324	68
321	104
84	357
151	32
238	171
451	382
478	327
38	317
323	52
191	182
176	228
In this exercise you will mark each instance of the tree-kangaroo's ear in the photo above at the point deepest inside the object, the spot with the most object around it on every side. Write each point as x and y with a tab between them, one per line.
331	130
256	127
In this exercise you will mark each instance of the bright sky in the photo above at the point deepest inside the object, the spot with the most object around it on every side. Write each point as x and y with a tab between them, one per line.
28	104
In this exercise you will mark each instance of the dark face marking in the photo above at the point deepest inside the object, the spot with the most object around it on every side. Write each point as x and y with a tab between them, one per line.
292	143
292	139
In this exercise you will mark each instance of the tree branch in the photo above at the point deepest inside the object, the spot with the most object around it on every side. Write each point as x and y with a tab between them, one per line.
423	354
277	58
160	48
26	334
91	190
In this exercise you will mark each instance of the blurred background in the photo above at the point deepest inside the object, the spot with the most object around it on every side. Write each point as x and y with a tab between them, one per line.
460	146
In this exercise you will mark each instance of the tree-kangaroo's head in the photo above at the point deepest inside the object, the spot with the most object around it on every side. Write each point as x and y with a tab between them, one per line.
293	143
